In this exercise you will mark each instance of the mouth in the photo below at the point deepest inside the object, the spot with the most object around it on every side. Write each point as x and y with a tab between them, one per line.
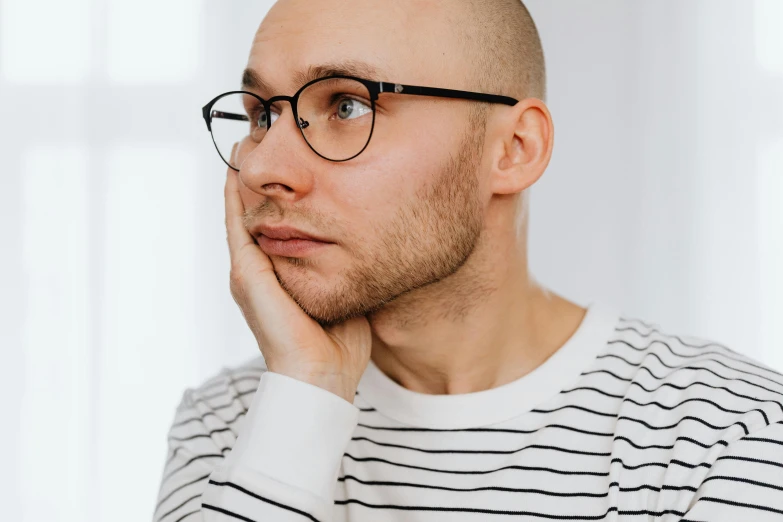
294	247
287	241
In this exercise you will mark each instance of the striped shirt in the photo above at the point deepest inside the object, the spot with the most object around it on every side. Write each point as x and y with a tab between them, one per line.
623	422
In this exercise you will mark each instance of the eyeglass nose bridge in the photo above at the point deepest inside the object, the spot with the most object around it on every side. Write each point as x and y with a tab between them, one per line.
292	100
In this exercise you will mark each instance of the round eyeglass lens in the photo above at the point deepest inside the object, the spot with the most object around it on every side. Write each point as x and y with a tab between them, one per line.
336	116
237	118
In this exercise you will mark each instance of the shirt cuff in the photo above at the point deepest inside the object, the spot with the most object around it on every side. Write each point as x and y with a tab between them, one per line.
295	433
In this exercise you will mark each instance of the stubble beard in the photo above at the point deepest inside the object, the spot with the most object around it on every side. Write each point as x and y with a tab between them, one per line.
427	241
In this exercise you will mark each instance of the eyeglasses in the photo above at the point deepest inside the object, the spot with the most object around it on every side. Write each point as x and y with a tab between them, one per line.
336	115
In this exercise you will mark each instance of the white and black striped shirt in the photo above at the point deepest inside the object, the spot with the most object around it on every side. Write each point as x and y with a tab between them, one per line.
623	422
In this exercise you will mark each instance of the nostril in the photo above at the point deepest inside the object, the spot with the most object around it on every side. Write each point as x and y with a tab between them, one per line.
275	186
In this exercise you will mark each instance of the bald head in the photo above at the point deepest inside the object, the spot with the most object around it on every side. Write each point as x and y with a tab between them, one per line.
504	47
486	45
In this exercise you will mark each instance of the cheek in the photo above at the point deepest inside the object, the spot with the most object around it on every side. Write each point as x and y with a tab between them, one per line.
385	183
391	175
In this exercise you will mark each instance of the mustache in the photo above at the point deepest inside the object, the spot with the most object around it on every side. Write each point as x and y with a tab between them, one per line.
268	211
252	214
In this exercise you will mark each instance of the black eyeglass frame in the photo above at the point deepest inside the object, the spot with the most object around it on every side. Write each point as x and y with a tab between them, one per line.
375	88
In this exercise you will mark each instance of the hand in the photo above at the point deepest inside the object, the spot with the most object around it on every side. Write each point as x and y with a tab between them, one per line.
291	342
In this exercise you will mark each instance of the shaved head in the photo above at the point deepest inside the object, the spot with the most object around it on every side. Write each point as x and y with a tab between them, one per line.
504	47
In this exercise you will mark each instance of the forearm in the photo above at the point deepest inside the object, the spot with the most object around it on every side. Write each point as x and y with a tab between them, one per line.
283	465
292	441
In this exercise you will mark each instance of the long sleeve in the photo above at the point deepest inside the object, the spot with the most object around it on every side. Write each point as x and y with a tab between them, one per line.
746	481
282	467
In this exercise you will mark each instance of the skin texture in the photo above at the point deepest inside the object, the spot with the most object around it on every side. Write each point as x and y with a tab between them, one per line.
428	275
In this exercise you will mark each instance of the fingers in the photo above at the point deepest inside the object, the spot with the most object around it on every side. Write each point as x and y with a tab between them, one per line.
237	235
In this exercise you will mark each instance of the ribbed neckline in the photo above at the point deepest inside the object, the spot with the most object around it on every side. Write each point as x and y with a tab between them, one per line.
487	407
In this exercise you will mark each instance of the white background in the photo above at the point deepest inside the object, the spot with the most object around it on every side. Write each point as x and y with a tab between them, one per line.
663	199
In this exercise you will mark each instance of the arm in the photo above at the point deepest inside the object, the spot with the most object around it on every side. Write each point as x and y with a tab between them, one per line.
746	481
283	466
285	462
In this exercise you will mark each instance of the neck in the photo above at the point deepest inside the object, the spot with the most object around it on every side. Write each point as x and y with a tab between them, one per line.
484	326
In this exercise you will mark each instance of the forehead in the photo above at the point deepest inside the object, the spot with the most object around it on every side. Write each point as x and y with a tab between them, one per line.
406	41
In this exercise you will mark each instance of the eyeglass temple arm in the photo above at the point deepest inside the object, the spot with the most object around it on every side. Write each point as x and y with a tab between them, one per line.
445	93
229	116
209	114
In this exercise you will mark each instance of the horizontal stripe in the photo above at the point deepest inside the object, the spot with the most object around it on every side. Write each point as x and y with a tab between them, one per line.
530	468
715	360
676	424
700	368
671	446
186	515
253	378
477	472
741	504
663	464
179	488
745	481
697	399
259	497
203	417
739	359
699	383
232	402
483	488
483	452
762	439
575	407
750	459
473	510
651	488
633	320
592	388
164	515
487	430
226	512
575	516
515	490
189	462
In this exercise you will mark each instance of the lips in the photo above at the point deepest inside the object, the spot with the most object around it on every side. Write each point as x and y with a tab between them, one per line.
291	247
285	233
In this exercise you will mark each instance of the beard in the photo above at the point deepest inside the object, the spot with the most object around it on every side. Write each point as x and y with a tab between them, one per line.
425	242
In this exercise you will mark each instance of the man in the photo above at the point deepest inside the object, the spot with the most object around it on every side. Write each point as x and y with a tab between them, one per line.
412	368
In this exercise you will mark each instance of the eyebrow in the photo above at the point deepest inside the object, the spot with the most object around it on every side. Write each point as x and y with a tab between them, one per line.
252	80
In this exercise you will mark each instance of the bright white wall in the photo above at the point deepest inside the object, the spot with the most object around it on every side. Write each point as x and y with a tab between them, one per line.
663	198
663	194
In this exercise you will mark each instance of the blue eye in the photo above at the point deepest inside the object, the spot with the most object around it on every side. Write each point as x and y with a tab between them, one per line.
351	108
259	117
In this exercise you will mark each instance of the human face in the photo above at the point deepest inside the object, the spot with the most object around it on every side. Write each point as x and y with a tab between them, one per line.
408	211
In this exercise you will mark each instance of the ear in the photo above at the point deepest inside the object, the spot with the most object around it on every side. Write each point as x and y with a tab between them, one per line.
525	137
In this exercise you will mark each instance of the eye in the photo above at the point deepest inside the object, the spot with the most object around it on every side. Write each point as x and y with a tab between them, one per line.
259	116
351	108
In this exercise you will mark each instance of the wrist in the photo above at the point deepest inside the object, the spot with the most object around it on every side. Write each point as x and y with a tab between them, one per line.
295	435
337	384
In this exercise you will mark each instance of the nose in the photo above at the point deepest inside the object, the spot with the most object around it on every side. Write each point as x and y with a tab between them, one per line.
277	167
